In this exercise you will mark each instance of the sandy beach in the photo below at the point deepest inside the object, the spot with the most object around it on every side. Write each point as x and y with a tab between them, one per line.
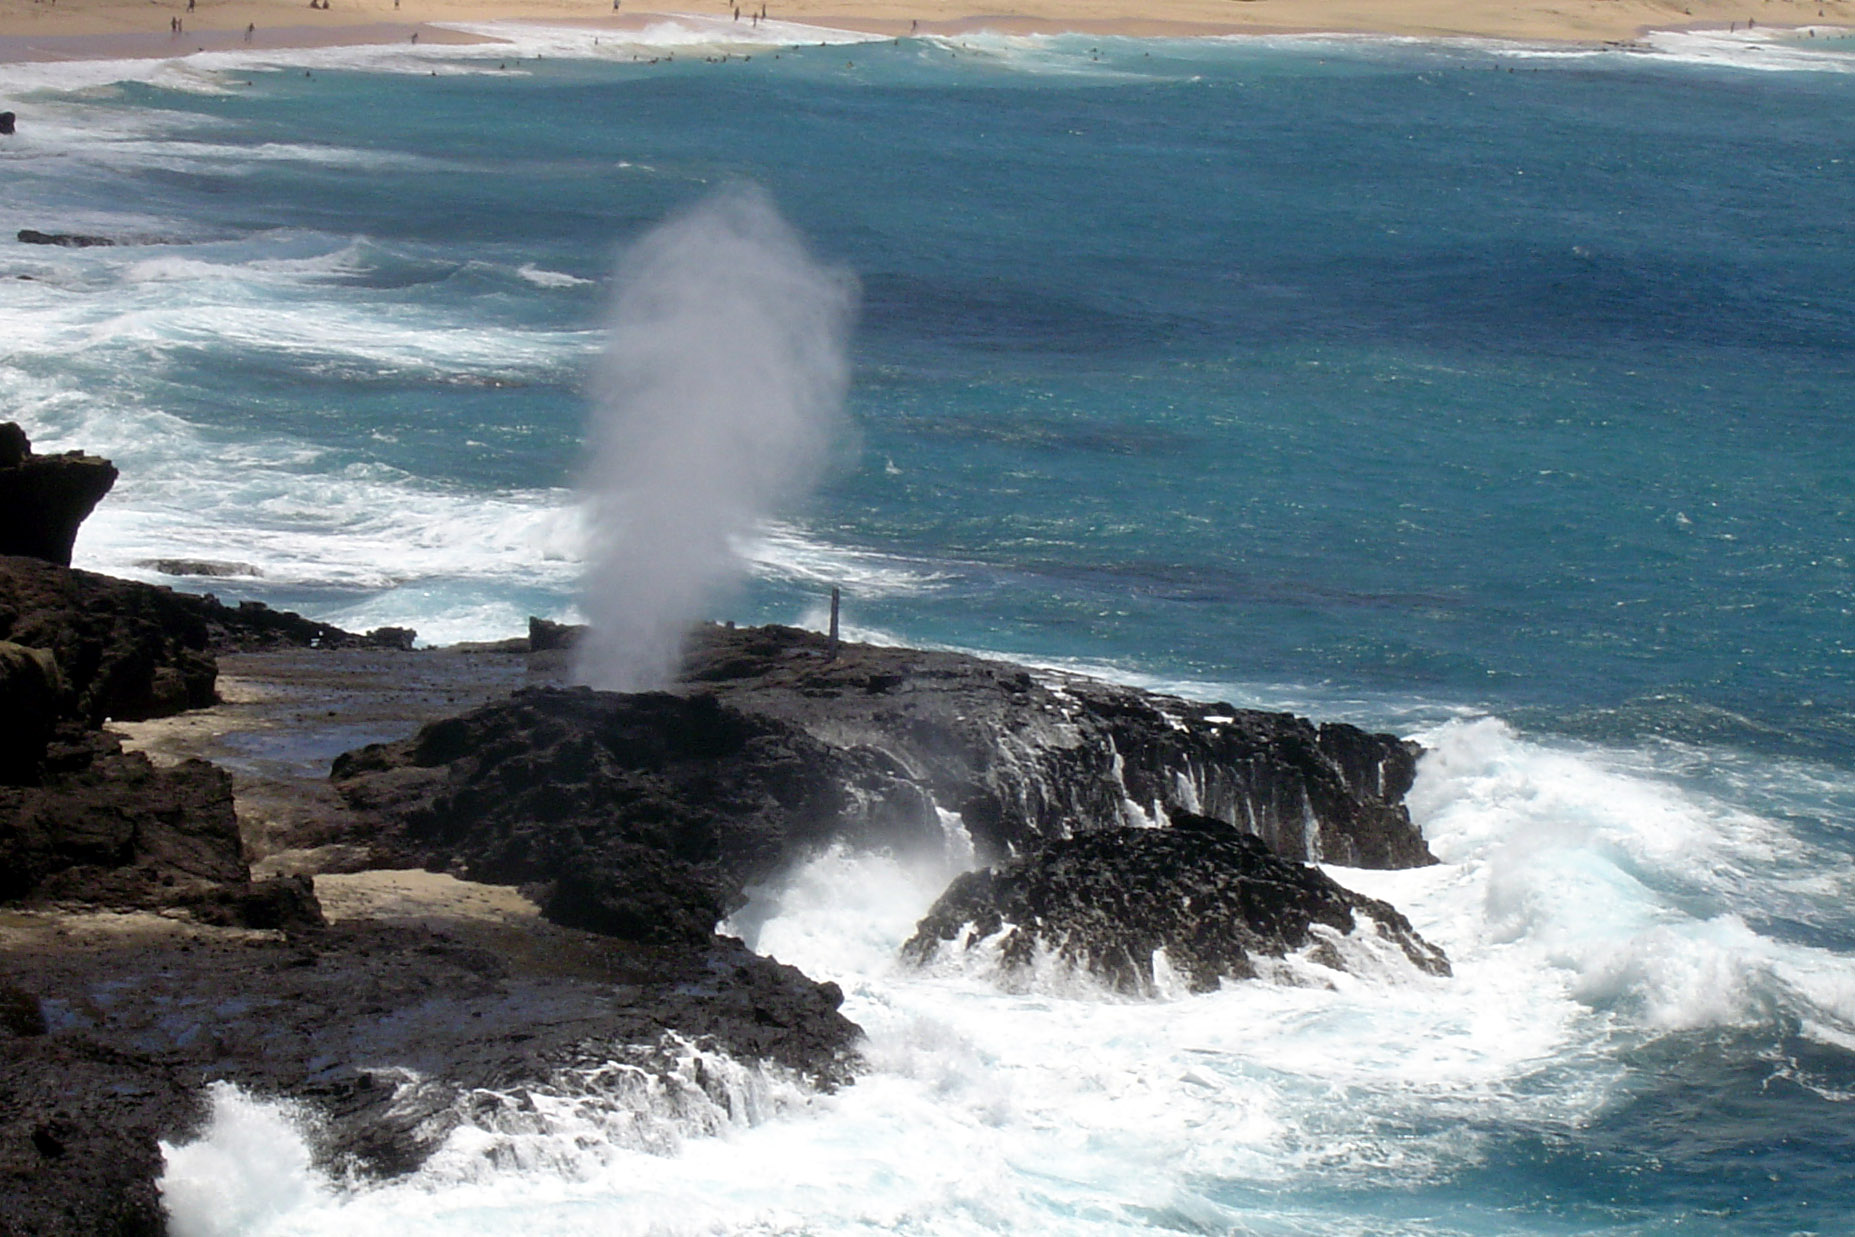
89	29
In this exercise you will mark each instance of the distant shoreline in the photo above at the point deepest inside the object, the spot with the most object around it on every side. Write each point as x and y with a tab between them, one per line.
74	30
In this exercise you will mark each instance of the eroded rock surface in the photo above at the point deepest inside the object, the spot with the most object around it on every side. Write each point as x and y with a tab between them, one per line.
129	651
391	1033
645	815
1024	756
1214	899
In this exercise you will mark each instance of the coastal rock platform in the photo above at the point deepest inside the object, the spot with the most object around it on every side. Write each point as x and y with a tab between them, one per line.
511	886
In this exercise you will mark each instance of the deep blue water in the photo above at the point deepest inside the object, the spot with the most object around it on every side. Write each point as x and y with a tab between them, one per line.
1394	381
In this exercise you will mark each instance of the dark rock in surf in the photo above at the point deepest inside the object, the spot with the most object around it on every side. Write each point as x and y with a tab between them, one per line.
43	498
7	120
1215	900
646	816
80	1124
67	240
211	568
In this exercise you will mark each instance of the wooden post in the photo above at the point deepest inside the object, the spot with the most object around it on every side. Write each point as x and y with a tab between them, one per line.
832	655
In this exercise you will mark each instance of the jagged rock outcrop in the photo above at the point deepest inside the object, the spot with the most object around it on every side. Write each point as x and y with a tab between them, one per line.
131	651
1214	899
43	498
108	827
125	650
1024	756
646	814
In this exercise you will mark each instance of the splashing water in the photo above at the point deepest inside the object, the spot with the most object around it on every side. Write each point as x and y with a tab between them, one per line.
716	404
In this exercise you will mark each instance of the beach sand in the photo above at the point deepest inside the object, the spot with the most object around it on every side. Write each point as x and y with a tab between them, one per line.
93	29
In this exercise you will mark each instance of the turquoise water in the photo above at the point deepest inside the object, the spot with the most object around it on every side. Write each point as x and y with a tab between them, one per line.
1482	392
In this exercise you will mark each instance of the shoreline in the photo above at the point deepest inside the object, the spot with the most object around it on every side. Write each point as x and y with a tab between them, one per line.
41	31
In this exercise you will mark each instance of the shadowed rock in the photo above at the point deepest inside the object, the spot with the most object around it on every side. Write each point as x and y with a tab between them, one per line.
1214	899
648	814
31	702
108	827
43	498
131	651
68	240
1026	755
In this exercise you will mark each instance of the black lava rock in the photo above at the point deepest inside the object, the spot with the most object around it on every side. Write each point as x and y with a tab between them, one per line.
1213	898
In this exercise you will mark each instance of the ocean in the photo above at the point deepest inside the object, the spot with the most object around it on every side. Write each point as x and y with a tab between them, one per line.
1496	395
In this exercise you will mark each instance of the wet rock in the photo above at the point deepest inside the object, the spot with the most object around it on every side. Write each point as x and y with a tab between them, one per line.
69	240
1025	756
80	1124
1214	899
43	498
200	567
7	121
20	1014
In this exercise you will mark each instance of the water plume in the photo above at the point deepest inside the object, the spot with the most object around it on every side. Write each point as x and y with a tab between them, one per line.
716	403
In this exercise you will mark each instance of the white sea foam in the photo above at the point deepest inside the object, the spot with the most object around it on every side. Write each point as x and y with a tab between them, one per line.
251	1170
686	33
1764	49
1632	887
549	279
510	42
782	550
